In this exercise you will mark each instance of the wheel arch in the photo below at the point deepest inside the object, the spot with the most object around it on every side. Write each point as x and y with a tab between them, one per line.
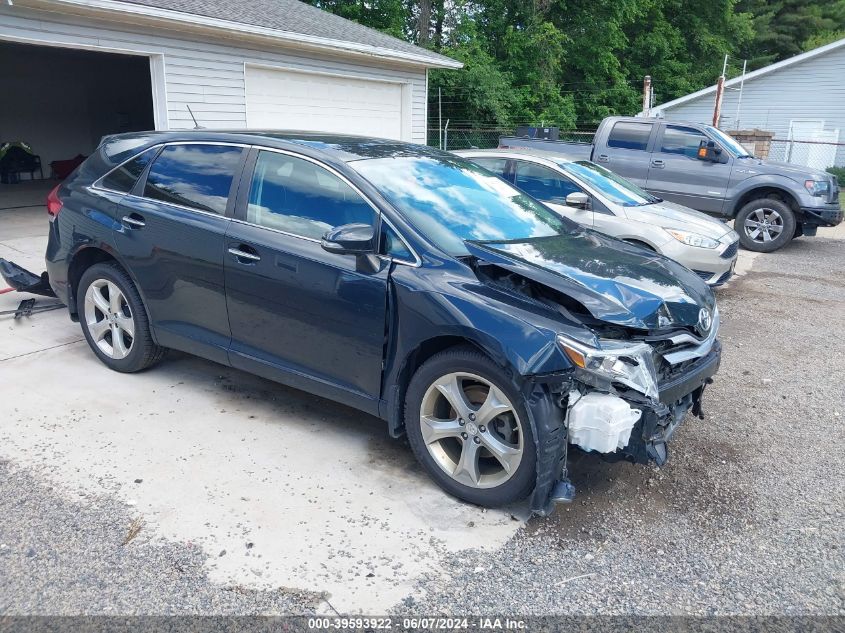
763	191
414	359
88	256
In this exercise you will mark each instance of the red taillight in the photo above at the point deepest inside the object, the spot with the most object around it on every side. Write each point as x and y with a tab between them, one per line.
54	205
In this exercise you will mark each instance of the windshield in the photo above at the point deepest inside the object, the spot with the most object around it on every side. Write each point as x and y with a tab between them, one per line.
449	200
613	187
729	143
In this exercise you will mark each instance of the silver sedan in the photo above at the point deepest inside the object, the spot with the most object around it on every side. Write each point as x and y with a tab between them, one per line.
596	197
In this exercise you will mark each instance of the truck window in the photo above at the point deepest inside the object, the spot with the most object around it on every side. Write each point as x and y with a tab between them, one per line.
629	135
543	183
681	140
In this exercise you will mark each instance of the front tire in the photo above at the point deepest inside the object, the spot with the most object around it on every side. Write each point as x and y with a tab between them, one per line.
114	321
765	225
469	428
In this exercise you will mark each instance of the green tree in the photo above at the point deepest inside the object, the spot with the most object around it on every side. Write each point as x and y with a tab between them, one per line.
783	28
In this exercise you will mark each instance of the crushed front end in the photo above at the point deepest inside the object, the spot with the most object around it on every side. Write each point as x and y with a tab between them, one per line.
626	398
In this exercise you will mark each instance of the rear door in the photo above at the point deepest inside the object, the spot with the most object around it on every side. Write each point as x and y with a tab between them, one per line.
171	236
300	315
676	174
626	150
551	187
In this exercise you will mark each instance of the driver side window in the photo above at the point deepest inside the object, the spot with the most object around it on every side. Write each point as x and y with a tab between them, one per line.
681	140
543	183
302	198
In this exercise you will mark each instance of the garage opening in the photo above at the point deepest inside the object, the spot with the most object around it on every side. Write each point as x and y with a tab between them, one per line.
56	105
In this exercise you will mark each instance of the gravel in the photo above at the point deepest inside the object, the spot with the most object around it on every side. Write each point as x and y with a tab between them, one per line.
747	516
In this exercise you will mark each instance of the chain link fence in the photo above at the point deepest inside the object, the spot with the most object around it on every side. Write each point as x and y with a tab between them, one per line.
488	138
815	154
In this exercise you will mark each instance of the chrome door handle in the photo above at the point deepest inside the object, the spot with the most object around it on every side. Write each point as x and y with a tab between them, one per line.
133	222
603	158
244	255
658	163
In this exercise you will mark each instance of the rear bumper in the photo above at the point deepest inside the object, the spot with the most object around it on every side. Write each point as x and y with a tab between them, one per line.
822	216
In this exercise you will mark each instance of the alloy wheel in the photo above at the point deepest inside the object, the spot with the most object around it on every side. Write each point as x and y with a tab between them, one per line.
471	430
109	319
763	225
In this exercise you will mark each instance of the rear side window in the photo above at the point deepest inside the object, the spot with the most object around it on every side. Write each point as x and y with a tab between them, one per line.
627	135
194	176
496	165
543	183
297	196
124	177
681	140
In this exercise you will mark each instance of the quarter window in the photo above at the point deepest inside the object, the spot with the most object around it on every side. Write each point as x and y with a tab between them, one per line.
627	135
543	183
681	140
297	196
497	165
392	244
123	178
195	176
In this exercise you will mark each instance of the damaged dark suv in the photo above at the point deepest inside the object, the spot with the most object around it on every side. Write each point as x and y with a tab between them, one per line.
400	280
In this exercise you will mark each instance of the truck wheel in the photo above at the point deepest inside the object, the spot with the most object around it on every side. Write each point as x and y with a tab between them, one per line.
765	225
469	428
114	321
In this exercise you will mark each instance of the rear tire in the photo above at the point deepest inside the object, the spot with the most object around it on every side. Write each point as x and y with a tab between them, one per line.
765	225
469	428
114	320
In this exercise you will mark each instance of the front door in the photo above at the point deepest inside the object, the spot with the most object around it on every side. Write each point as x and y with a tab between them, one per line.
171	237
551	187
300	315
676	174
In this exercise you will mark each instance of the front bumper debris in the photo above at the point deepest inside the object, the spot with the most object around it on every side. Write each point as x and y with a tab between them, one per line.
678	396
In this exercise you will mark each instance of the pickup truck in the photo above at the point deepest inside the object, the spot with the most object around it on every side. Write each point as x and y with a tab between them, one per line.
700	166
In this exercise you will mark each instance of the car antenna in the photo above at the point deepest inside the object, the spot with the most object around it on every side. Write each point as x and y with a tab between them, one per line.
197	126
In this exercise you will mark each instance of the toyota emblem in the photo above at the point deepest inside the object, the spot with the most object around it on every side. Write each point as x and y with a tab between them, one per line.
704	320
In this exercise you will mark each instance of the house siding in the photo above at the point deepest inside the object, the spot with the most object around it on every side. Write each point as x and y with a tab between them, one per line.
207	74
812	89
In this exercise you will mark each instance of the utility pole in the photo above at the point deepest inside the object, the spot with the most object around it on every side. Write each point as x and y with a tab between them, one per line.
647	96
739	100
720	91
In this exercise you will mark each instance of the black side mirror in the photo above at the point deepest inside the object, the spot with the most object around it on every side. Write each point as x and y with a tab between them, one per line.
709	151
578	200
350	239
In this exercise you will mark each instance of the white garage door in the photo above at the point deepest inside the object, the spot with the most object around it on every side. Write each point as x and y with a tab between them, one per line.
283	99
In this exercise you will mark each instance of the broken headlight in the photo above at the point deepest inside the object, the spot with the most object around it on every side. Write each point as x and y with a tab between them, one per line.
624	362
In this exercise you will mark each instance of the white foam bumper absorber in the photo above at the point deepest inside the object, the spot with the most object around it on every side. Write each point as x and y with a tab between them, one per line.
601	422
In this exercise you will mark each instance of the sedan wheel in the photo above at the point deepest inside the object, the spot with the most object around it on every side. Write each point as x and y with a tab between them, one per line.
109	319
764	225
471	430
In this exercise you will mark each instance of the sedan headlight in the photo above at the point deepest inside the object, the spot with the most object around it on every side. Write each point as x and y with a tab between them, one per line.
624	362
818	188
692	239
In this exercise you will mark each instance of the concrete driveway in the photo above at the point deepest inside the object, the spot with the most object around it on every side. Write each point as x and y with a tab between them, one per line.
328	501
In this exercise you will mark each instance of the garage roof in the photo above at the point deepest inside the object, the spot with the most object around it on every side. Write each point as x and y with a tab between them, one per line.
286	21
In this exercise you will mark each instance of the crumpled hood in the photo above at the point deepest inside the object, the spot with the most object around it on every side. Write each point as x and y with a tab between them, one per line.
616	282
